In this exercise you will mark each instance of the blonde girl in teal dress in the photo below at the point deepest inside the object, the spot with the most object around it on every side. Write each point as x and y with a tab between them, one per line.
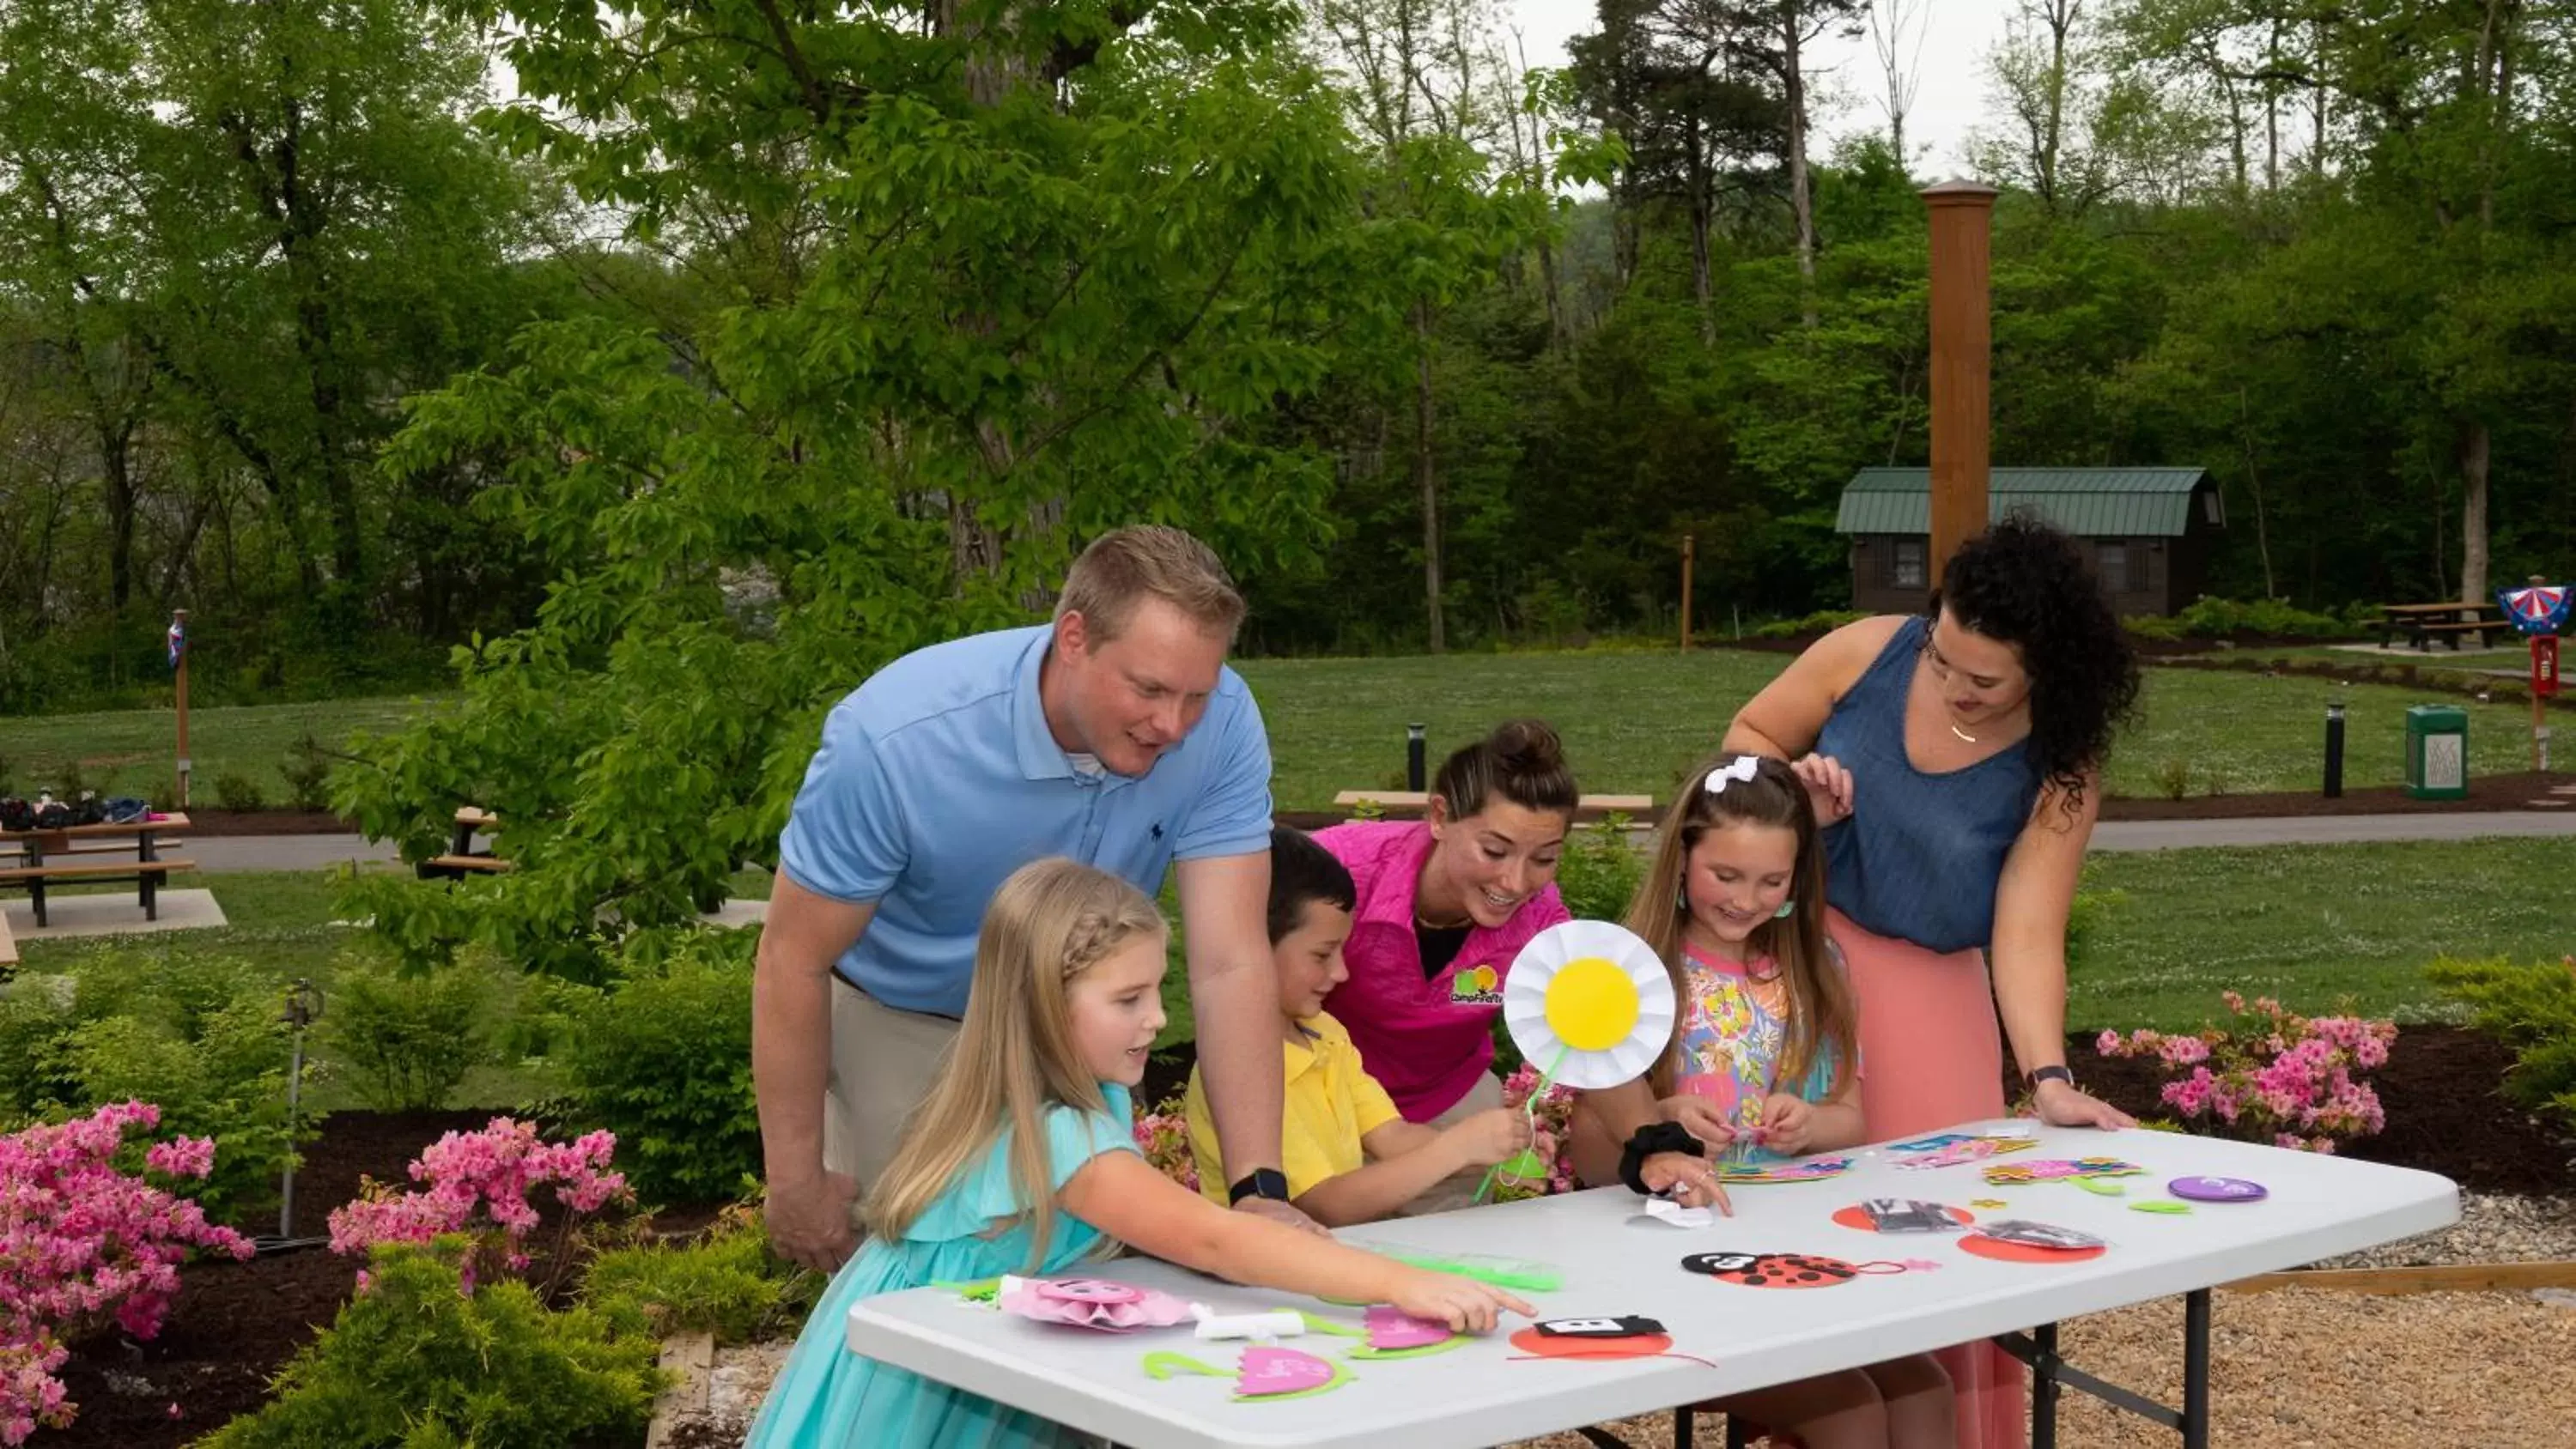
1023	1160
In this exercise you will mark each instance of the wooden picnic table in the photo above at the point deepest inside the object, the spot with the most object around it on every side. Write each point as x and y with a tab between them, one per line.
461	860
2421	624
41	856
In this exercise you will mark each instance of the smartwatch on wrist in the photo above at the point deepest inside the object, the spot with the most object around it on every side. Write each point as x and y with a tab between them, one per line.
1267	1182
2051	1074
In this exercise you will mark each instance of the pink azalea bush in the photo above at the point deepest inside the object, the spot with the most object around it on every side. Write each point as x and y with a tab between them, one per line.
81	1242
2270	1075
478	1183
1163	1135
1552	1136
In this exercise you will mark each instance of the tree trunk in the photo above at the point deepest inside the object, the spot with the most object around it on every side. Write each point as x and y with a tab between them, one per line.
2473	511
1425	479
1802	203
1703	207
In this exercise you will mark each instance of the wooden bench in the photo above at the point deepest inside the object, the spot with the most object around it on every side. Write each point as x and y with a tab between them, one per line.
2421	624
1414	802
149	876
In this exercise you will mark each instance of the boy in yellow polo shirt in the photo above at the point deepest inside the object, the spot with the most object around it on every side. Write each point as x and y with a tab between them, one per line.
1349	1155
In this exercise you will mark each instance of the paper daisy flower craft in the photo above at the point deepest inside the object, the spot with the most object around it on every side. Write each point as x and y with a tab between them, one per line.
1588	1004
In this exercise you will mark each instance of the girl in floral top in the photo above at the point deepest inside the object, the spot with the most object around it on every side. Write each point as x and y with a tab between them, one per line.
1762	1063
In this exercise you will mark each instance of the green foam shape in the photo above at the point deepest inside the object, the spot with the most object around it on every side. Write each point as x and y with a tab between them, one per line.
2161	1205
2101	1187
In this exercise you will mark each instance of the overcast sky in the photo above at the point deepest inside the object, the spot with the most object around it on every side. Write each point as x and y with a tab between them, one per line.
1955	36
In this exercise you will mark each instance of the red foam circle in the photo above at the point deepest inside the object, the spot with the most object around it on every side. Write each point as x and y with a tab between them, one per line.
1543	1345
1854	1217
2003	1252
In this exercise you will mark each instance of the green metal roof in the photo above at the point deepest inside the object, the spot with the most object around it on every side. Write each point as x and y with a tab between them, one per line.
2088	502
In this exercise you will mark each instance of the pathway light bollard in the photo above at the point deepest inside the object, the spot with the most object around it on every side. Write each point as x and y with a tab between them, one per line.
303	1008
2334	749
1413	752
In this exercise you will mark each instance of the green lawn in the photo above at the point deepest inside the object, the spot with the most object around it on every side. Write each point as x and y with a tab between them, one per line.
2311	924
131	752
1633	723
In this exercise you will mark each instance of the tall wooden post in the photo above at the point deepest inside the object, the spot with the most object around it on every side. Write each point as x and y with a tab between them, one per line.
179	649
1962	223
1690	544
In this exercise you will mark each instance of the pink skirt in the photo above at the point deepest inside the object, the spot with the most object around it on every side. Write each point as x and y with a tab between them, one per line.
1931	1057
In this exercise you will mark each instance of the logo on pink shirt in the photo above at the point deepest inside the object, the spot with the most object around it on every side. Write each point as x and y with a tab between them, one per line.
1476	986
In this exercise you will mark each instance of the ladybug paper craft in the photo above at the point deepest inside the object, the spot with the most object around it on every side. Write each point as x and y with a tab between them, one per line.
1773	1270
1264	1373
1796	1270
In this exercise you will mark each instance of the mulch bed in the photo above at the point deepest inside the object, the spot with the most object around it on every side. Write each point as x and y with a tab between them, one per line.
234	1325
2445	1112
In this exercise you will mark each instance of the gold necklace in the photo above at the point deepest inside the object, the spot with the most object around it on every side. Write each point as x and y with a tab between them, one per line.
1963	734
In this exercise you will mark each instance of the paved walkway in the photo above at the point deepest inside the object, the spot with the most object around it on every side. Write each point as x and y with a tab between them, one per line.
314	852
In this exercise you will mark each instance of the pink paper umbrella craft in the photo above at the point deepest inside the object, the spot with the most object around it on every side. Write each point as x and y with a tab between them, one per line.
1093	1303
1264	1372
1393	1333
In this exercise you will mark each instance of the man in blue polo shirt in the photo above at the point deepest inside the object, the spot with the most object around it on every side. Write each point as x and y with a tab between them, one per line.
1115	736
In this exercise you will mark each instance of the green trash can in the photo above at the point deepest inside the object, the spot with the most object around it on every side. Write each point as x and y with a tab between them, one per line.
2437	752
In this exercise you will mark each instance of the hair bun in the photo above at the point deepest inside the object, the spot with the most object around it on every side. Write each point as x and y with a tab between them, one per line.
1528	747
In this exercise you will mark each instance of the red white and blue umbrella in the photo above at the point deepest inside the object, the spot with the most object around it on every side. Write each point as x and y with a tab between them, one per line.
2539	609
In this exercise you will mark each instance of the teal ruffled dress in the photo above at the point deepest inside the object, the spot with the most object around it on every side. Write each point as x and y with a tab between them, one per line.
827	1397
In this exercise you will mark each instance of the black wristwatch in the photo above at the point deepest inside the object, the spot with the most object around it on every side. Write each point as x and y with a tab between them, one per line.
1267	1182
2052	1074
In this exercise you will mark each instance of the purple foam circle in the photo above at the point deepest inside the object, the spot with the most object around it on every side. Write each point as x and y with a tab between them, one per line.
2217	1189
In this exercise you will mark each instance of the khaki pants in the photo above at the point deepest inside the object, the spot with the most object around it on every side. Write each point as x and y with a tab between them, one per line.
1459	1189
883	1061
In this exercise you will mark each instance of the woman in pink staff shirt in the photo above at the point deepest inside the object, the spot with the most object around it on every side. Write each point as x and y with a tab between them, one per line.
1445	903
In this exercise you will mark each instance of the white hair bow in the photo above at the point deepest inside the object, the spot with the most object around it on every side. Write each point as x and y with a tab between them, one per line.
1742	771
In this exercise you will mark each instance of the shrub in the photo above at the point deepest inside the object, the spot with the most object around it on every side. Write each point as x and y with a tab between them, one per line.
2530	1008
2269	1076
478	1185
87	1243
727	1283
2208	618
415	1361
237	791
1823	621
663	1059
408	1041
1163	1135
1599	870
199	1036
307	772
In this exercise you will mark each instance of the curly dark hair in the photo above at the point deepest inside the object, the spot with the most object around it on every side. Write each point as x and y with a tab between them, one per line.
2026	584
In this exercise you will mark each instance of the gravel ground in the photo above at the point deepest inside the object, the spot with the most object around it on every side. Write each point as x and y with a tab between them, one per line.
2493	1228
2308	1370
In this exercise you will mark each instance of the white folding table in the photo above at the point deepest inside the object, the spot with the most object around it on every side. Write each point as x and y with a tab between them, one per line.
1615	1261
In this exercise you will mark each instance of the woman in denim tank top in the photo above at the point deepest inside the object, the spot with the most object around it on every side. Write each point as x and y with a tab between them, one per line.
1959	756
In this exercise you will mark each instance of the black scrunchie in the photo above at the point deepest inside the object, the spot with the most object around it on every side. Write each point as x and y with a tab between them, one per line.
1650	1139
